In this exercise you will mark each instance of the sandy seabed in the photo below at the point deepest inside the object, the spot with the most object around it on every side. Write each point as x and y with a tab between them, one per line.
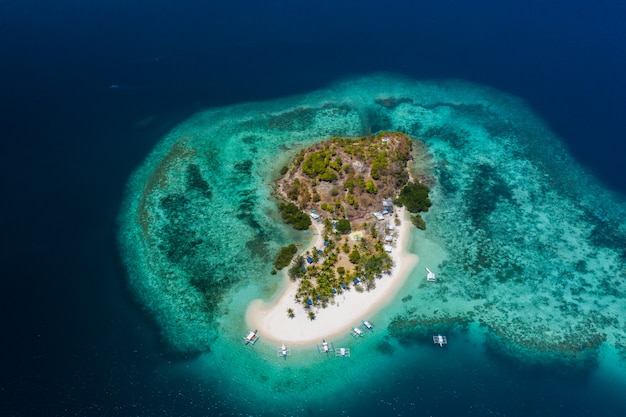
271	321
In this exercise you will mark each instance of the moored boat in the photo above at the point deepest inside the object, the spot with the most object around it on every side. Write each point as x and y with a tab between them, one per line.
325	347
251	337
440	340
283	351
430	276
342	352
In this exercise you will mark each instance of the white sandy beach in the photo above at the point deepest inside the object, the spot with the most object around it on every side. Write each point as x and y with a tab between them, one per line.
272	322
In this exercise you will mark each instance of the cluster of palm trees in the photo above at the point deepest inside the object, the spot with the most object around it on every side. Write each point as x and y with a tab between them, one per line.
320	279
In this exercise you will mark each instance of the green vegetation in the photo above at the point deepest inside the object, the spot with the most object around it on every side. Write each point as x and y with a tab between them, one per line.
414	196
355	256
284	256
318	165
418	221
375	164
294	216
370	187
296	269
343	226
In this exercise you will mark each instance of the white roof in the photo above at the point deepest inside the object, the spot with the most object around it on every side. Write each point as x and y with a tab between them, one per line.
388	238
388	248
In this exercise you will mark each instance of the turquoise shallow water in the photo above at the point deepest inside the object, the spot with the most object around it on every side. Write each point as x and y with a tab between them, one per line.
528	248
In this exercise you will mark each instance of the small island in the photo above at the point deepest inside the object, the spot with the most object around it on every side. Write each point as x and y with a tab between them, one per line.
354	192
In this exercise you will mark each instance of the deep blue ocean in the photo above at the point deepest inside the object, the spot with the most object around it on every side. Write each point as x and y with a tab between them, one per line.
88	88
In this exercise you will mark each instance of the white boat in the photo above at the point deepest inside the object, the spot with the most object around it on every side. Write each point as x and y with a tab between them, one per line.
430	276
357	332
342	352
440	340
251	337
283	351
325	347
367	325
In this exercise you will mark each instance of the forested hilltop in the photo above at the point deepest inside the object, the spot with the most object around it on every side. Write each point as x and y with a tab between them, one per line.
348	178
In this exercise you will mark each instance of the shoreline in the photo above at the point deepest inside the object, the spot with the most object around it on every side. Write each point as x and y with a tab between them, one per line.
272	323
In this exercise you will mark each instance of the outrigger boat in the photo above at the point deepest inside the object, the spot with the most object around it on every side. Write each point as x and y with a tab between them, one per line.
430	276
342	352
368	325
440	340
251	337
356	332
283	351
325	347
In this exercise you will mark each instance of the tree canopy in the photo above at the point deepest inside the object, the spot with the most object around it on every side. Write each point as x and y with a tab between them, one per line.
343	226
285	255
294	216
414	196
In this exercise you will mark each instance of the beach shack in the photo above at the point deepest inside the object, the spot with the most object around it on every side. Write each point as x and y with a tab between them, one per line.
387	248
378	215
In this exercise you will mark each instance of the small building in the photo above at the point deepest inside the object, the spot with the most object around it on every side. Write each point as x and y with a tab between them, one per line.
390	226
378	215
387	203
309	260
315	216
388	248
388	238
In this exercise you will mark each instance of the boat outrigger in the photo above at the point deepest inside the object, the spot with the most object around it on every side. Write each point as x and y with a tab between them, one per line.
430	276
251	337
440	340
342	352
283	351
356	332
368	325
325	347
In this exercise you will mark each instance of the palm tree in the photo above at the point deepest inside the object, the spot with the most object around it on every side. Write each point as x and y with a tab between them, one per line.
311	315
291	313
